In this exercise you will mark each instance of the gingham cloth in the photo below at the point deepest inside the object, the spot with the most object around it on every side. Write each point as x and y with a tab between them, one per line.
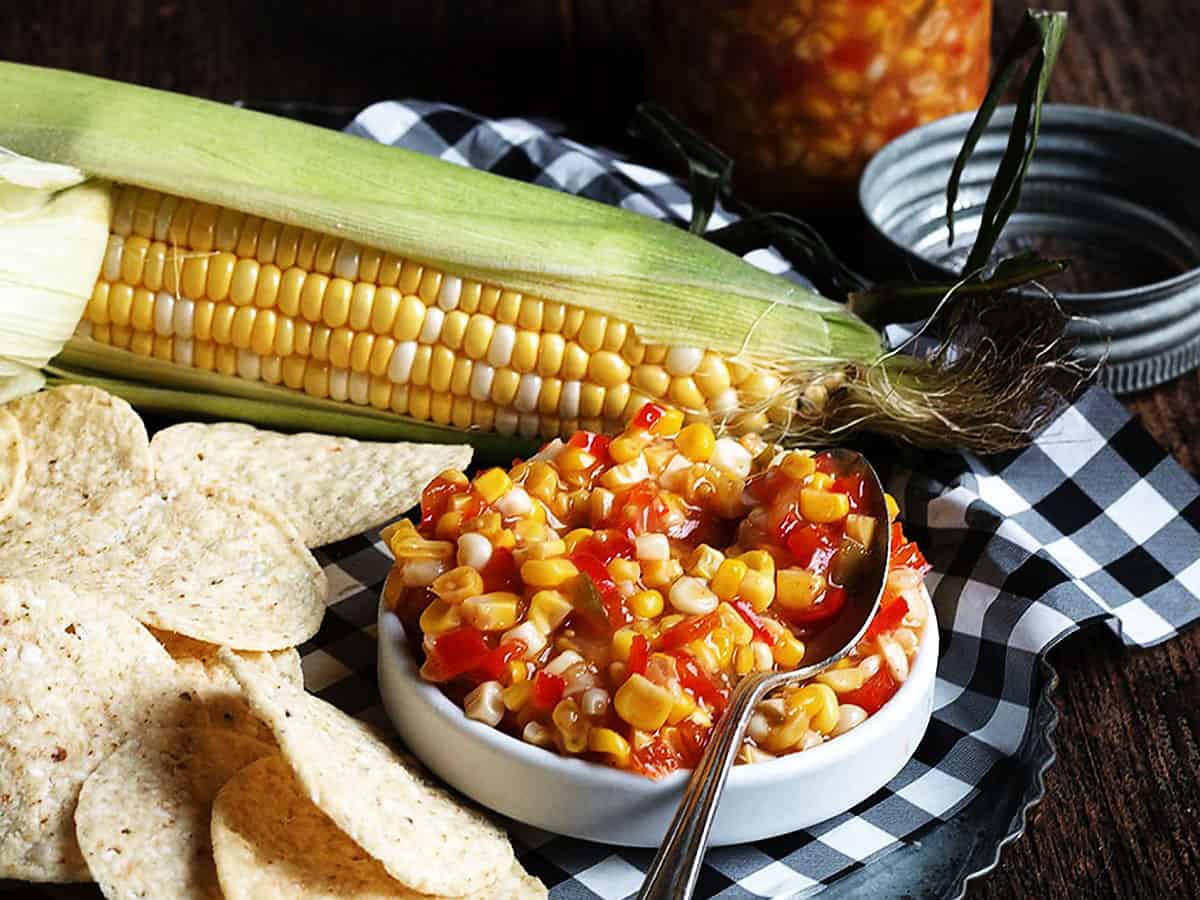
1093	522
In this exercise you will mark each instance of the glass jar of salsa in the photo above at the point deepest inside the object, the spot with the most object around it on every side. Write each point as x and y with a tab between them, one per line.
801	93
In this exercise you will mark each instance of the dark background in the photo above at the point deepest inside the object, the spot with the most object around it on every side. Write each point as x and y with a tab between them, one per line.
1120	816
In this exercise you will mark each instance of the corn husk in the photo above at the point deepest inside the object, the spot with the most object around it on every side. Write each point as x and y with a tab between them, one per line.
674	287
53	230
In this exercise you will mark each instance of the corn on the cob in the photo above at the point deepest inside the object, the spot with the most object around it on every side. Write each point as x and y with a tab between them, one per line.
264	270
222	291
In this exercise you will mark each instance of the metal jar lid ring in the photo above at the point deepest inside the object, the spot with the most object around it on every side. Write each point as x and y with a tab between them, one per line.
1118	194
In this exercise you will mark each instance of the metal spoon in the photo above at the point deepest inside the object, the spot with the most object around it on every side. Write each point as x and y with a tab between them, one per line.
676	866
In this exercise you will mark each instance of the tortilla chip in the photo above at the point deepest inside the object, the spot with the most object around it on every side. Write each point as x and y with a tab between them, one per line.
183	649
201	563
77	678
329	487
271	842
12	462
80	442
427	840
143	819
217	690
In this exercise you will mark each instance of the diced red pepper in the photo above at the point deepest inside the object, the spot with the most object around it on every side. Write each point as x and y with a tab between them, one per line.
787	526
610	597
701	686
594	568
473	507
639	510
781	499
500	573
824	463
639	654
457	652
752	619
812	545
656	759
647	416
824	608
854	487
547	690
876	691
497	660
595	444
888	618
436	497
612	545
907	553
763	487
693	739
687	631
614	606
606	545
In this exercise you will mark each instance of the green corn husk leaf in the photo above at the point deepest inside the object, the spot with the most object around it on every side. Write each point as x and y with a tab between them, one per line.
710	172
527	238
912	301
1041	33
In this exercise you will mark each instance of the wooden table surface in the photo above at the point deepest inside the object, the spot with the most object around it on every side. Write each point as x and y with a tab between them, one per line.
1120	816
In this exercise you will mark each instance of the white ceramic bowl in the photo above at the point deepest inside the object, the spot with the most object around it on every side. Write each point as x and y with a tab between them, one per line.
598	803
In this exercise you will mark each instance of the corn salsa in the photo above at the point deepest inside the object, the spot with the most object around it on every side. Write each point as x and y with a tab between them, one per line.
603	598
803	92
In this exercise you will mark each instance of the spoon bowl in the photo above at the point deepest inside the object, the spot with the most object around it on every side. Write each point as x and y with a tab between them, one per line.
865	587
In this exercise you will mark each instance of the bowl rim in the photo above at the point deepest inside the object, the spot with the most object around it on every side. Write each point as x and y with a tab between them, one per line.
603	776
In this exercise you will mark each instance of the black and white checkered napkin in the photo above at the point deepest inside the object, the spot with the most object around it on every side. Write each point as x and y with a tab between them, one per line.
1092	522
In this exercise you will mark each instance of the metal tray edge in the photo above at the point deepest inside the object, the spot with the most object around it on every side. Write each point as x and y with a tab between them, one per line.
1042	753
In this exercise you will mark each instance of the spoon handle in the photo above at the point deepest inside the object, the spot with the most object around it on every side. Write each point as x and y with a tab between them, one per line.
676	866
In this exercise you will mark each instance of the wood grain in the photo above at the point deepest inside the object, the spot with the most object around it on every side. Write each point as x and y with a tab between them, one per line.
1120	816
